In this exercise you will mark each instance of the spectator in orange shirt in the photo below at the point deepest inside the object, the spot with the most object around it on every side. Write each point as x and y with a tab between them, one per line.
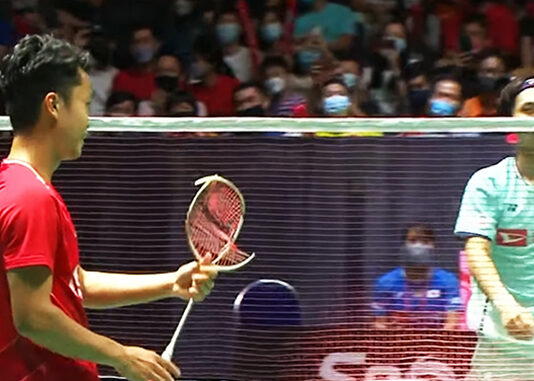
491	79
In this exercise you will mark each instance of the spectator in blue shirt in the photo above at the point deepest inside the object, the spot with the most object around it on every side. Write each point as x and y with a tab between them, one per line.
333	22
417	295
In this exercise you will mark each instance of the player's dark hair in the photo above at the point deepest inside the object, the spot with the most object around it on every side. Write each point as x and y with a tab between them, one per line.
37	66
510	92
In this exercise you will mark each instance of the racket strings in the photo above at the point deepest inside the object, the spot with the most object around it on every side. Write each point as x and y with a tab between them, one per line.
232	257
213	224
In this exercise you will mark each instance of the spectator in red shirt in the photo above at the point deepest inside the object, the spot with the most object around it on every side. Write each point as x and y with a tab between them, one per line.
44	333
503	27
209	85
139	79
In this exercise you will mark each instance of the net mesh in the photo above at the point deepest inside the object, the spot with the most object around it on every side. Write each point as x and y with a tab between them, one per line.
325	215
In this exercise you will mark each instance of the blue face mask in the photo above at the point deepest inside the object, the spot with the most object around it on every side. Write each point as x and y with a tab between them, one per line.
271	32
400	43
308	57
228	33
336	104
143	54
350	80
442	108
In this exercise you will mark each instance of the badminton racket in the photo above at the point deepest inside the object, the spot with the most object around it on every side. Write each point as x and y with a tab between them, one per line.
212	225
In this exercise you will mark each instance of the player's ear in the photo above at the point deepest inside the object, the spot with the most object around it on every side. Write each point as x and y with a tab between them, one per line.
51	104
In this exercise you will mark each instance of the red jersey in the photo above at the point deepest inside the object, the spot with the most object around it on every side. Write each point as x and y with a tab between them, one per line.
36	230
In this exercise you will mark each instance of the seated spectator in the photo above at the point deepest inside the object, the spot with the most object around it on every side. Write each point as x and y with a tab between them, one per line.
271	34
336	101
251	100
446	97
491	80
349	70
276	76
139	79
333	22
209	85
417	294
181	104
187	24
102	73
390	51
121	104
418	89
235	55
168	77
473	38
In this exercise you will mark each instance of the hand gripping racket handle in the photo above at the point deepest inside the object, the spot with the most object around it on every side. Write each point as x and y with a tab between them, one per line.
169	351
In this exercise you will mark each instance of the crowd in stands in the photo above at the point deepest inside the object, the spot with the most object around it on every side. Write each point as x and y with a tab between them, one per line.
289	58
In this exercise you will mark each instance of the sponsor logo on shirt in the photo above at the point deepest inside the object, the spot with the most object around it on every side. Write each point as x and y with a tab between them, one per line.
512	237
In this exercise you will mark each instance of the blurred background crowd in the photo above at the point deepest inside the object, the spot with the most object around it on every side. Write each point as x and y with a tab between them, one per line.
289	58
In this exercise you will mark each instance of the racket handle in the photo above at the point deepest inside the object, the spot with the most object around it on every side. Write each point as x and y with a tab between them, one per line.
169	351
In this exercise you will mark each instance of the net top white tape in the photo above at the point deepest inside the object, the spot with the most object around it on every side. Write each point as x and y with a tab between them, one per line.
306	125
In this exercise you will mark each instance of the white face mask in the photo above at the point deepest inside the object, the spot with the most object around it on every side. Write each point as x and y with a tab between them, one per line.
420	245
183	7
275	85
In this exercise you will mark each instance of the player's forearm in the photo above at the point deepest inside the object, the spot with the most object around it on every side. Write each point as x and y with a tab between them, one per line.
105	290
50	328
484	271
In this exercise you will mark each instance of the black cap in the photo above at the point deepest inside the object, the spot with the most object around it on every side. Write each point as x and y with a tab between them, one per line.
417	255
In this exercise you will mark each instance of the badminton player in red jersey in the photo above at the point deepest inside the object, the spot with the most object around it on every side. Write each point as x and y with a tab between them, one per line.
43	289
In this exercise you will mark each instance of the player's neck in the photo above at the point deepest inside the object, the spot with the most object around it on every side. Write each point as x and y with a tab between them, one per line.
35	151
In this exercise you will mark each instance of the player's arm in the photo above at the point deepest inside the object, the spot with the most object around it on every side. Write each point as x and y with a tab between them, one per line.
38	319
517	319
105	290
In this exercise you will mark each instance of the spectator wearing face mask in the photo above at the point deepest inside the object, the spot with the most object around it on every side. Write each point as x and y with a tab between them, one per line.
250	100
187	24
139	79
102	73
271	34
389	52
336	100
121	104
418	89
445	97
208	82
228	31
417	294
492	78
277	82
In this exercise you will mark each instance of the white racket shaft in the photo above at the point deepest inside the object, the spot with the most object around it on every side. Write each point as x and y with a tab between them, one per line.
169	350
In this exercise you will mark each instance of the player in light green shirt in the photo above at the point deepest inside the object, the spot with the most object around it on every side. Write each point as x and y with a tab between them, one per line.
497	219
